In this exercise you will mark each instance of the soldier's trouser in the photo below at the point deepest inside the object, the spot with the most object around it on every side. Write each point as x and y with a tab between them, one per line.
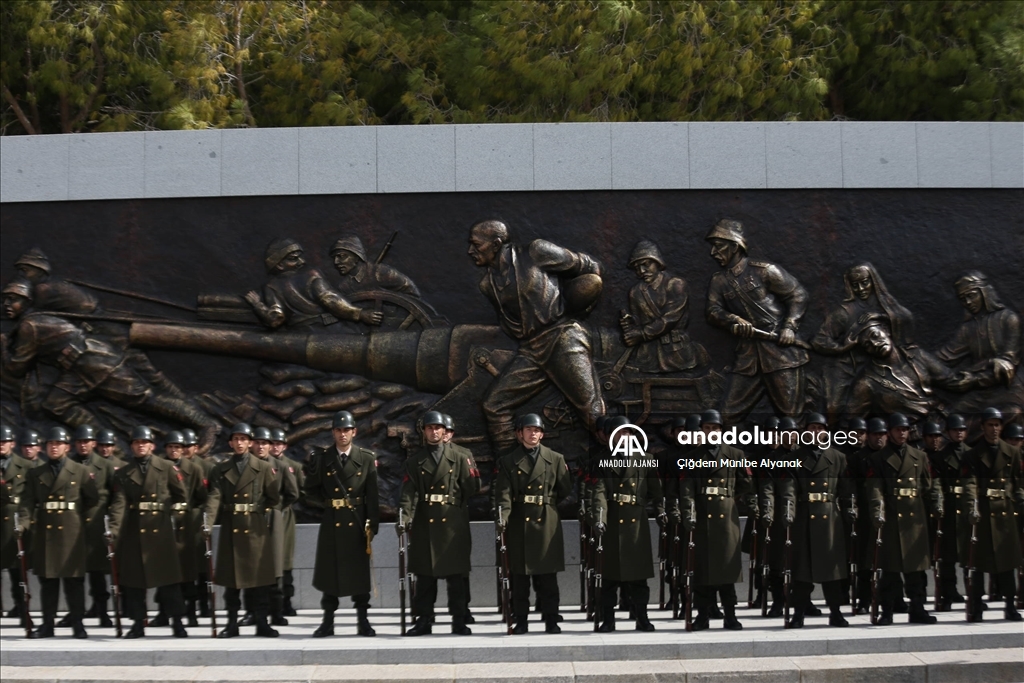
288	584
257	600
426	595
914	584
190	590
1005	586
276	598
17	593
546	588
864	587
202	596
465	580
329	603
704	596
833	591
74	595
168	597
785	389
638	593
98	587
948	578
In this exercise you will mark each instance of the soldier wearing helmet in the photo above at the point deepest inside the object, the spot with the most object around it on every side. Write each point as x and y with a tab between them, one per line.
296	296
946	465
56	501
278	446
763	305
106	447
449	435
659	315
59	296
14	471
358	274
31	446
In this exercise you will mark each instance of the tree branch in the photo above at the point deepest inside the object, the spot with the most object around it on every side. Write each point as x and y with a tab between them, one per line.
26	124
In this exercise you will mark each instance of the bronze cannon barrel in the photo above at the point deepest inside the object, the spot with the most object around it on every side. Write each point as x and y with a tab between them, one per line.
432	360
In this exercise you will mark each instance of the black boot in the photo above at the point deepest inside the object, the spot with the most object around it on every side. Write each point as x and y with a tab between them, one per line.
521	627
78	630
956	598
551	624
161	619
608	625
326	627
900	606
919	615
703	621
642	622
459	627
190	613
104	620
231	629
812	610
363	627
1010	613
247	619
45	630
797	620
138	630
178	629
836	618
886	618
14	612
422	627
93	611
287	609
715	612
731	622
263	629
64	621
470	619
204	605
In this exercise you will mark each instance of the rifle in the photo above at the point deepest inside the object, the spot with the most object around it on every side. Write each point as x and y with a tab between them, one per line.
936	565
969	580
598	568
401	568
387	247
662	552
752	567
766	569
211	595
852	555
1020	574
677	570
497	573
583	560
506	598
26	592
115	581
691	560
876	571
787	570
591	554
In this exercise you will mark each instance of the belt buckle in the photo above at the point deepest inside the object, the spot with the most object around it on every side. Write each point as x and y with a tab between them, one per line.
813	497
529	499
338	503
711	490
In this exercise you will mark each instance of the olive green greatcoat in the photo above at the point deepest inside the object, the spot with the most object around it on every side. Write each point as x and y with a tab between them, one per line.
245	553
189	520
995	481
102	471
946	470
439	534
289	494
12	488
818	533
342	566
717	535
288	512
144	540
533	533
905	533
58	544
628	555
774	489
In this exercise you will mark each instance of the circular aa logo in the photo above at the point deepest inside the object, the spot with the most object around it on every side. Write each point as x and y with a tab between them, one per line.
624	441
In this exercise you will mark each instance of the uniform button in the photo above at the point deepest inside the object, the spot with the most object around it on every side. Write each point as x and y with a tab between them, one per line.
710	515
824	516
529	487
246	531
352	523
899	514
431	521
812	483
445	519
634	520
142	531
722	516
234	531
622	521
709	498
337	524
359	474
48	526
336	489
442	487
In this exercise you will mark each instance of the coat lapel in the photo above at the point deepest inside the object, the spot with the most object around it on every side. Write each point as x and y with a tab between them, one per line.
445	464
248	474
894	460
46	477
538	469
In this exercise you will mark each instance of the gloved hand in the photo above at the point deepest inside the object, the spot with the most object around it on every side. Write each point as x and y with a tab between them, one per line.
788	518
674	517
767	518
401	528
502	522
600	526
662	520
879	522
973	516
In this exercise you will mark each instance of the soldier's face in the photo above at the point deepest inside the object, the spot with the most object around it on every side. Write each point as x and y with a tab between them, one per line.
448	435
6	448
862	287
933	442
292	261
992	429
84	446
1015	442
190	451
899	435
239	443
142	448
106	451
31	273
55	450
877	440
957	435
483	248
174	451
345	261
31	452
723	251
972	300
343	437
876	341
531	436
433	434
709	427
646	269
14	305
861	436
261	449
278	448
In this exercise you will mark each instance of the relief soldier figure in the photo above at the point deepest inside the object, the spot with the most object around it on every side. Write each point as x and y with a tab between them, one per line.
762	304
51	294
296	296
359	274
659	313
865	293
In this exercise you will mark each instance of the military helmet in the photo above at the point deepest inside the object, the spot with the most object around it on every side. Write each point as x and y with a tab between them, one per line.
678	422
261	434
816	419
277	250
351	244
711	417
771	424
787	424
898	420
449	422
142	433
858	424
241	428
534	420
615	422
58	434
693	423
190	437
19	287
343	420
30	438
991	414
727	229
876	425
36	258
433	417
932	428
84	433
1014	431
646	249
278	436
6	433
106	438
956	422
175	437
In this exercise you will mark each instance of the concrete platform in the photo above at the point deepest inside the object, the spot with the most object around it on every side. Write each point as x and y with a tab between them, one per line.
760	638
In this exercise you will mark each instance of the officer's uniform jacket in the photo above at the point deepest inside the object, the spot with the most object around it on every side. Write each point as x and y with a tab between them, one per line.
992	477
188	518
433	502
56	508
295	472
620	499
527	493
662	311
350	498
289	494
819	534
714	492
245	552
946	470
902	485
141	516
102	470
12	486
463	452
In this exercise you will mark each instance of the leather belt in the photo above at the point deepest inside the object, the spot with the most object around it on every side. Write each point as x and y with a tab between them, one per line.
338	503
905	493
151	506
55	505
819	497
180	507
439	498
15	500
715	490
995	493
533	500
624	499
956	489
244	507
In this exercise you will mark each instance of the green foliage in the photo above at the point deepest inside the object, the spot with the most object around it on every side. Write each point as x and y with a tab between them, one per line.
102	65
